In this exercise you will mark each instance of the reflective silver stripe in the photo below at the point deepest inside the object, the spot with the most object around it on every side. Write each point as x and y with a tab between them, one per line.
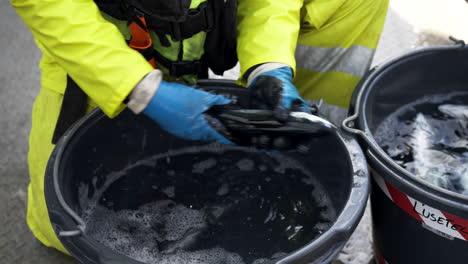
354	60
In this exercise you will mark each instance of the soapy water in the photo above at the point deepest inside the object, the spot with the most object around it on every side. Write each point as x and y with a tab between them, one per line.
230	209
429	138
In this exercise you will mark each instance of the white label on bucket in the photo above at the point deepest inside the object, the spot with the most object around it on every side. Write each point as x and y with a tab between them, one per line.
442	234
435	219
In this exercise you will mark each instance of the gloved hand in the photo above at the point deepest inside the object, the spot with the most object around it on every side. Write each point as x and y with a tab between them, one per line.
274	90
179	109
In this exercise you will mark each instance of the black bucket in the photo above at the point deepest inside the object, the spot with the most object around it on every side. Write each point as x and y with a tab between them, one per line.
97	146
414	221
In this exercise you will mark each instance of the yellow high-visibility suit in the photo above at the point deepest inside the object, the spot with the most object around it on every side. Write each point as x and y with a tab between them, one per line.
328	43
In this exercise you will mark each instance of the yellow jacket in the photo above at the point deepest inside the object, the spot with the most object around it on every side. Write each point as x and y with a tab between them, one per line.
268	31
75	38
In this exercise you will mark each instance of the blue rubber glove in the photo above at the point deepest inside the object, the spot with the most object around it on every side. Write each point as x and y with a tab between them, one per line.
274	90
178	109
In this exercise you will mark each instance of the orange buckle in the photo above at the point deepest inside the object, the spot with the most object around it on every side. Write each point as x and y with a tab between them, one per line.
141	39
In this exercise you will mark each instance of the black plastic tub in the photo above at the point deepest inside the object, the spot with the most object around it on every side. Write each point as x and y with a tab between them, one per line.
414	221
96	146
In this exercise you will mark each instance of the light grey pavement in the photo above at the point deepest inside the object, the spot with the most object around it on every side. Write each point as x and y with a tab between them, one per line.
19	84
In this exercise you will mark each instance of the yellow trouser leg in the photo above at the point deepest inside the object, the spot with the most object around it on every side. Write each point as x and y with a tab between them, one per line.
336	45
44	117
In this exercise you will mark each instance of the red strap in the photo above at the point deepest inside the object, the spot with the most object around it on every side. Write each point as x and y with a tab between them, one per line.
141	39
152	62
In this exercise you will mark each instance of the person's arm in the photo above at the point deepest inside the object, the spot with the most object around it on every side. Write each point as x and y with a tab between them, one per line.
90	49
267	32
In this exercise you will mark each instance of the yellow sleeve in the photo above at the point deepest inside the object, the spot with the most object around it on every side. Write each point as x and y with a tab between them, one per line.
267	32
89	48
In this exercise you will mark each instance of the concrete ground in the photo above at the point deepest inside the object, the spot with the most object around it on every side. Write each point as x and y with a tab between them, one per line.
409	24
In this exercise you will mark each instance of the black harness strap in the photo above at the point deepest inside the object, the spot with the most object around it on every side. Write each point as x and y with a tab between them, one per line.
73	108
180	68
197	20
116	9
220	44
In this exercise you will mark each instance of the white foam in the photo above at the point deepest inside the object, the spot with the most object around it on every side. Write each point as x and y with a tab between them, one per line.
123	231
140	233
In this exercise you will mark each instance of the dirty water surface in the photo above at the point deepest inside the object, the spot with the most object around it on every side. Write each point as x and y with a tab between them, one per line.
237	209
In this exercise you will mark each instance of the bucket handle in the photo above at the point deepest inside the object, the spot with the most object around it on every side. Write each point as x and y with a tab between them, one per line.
68	210
80	228
349	123
348	126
